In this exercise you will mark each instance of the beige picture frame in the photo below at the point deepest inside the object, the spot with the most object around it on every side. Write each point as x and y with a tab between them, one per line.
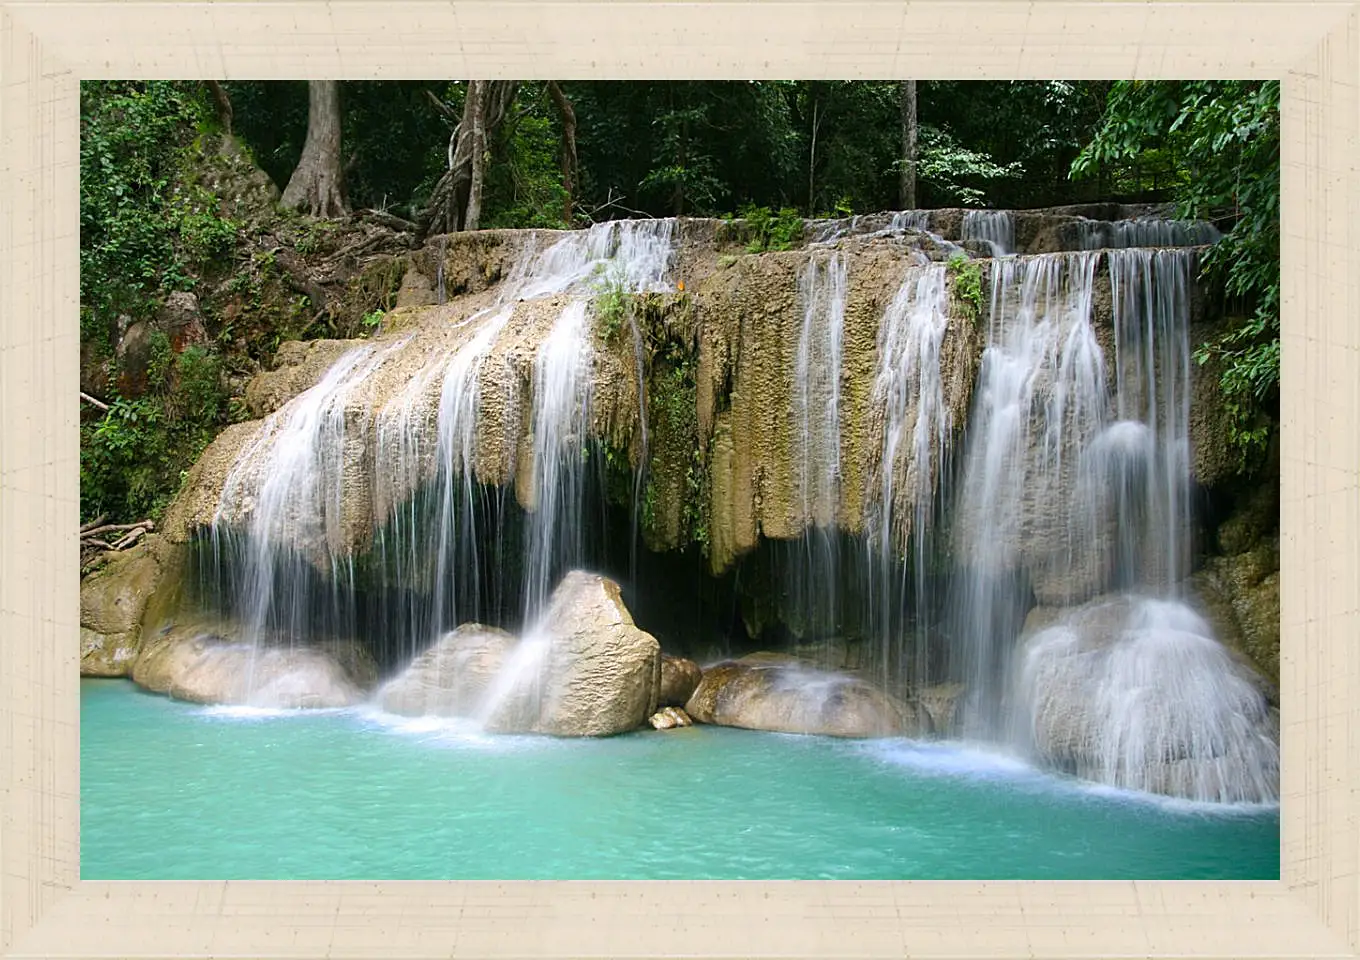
48	46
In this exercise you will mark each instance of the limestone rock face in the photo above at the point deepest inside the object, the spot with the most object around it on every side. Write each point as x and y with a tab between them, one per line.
1239	590
106	655
1240	597
453	677
113	598
298	364
197	501
1137	694
679	678
205	663
585	671
939	706
784	696
113	602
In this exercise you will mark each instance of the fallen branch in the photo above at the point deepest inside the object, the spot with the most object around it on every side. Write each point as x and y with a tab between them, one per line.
93	402
94	523
611	202
146	525
391	221
130	539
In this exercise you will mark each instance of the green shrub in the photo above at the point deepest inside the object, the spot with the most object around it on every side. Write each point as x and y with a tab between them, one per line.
966	277
770	231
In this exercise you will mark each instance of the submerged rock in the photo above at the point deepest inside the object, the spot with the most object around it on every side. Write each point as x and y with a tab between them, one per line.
1137	694
452	677
679	678
206	664
670	718
783	695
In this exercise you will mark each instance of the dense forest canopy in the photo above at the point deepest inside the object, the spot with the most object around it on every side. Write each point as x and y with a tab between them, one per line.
161	232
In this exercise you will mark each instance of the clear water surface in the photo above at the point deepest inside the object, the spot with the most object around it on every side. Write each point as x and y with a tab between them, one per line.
176	791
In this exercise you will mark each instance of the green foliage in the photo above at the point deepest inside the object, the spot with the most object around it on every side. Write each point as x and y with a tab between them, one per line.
618	476
612	304
1034	126
772	231
134	458
952	168
678	460
147	228
143	230
525	184
373	319
1224	136
697	506
966	277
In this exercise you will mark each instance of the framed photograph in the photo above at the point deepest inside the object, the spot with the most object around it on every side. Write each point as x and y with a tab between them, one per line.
799	479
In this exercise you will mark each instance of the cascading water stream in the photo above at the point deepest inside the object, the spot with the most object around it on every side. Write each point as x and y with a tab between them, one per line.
817	413
1147	232
1039	395
1070	492
996	228
560	421
640	473
286	490
1150	292
909	391
283	510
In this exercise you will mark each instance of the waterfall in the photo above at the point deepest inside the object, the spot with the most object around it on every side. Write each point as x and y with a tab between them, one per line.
1136	693
910	220
560	419
279	553
996	228
1039	397
1072	489
634	254
1146	232
817	386
817	415
909	393
1150	292
287	491
1043	558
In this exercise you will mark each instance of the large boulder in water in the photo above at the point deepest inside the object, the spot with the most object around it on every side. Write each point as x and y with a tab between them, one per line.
204	663
453	677
1136	693
783	695
679	678
585	670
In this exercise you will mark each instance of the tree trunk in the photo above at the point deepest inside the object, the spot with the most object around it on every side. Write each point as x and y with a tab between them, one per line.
316	185
223	102
477	98
812	163
909	130
450	207
569	160
678	192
